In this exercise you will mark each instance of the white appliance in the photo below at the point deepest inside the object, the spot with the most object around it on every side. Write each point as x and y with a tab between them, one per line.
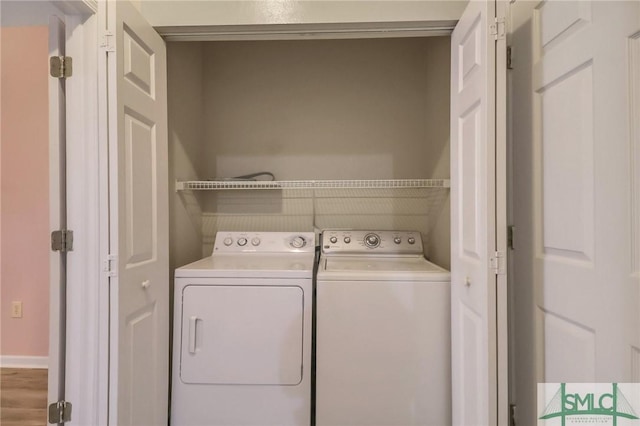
242	332
383	332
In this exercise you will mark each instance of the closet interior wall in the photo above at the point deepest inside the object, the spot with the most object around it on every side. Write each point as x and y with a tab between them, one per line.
309	110
186	117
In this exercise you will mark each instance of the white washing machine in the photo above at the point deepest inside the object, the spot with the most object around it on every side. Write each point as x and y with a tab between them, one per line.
383	343
242	332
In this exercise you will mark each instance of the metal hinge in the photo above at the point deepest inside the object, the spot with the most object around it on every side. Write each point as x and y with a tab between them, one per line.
62	240
61	66
510	236
60	412
509	60
110	265
498	28
498	263
107	42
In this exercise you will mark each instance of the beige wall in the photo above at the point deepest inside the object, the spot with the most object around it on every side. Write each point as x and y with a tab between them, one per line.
326	109
186	148
24	175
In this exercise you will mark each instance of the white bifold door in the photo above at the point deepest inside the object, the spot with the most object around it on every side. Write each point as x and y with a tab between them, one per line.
576	121
138	215
478	221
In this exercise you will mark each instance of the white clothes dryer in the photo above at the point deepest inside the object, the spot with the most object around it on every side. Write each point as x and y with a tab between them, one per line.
383	332
242	332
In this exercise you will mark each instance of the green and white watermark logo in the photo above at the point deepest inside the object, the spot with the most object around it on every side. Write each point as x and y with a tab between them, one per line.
562	404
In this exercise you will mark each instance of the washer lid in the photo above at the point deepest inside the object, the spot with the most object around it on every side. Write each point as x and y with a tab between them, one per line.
377	268
250	265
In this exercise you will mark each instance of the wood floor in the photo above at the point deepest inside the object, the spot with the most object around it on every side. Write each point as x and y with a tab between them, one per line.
23	397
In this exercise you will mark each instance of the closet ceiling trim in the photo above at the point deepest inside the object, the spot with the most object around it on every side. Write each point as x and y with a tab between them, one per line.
308	31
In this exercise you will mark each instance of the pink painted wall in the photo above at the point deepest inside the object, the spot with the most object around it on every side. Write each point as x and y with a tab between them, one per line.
24	182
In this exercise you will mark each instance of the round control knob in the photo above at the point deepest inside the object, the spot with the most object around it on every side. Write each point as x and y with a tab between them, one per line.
228	241
347	240
242	242
298	242
411	240
397	240
333	240
255	241
372	240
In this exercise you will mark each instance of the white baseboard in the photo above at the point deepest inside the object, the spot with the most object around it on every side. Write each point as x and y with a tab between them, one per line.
16	361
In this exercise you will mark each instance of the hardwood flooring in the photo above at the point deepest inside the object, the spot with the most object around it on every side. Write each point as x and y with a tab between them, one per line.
23	397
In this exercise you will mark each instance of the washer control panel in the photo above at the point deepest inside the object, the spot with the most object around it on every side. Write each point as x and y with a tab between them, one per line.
264	242
378	242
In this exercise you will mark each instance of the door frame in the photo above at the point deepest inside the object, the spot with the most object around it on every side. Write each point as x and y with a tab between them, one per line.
87	383
86	340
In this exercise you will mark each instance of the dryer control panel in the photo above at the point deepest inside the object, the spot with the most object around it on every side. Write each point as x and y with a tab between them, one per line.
356	242
264	242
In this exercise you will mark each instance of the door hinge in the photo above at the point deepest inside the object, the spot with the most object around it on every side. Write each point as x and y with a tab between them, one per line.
107	42
498	28
110	265
62	240
60	412
511	229
498	263
61	66
509	60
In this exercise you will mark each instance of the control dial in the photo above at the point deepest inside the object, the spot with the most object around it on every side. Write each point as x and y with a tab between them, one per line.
397	240
333	240
347	240
255	241
411	240
242	242
298	242
228	241
372	240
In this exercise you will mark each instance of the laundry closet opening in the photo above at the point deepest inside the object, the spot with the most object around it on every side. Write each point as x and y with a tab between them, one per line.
350	109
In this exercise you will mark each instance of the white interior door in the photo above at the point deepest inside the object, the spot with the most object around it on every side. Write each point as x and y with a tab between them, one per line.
138	208
576	104
478	209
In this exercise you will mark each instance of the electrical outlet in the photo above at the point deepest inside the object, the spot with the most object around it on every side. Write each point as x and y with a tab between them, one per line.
16	309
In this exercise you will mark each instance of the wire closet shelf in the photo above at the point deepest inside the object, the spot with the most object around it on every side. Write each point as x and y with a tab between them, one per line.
209	185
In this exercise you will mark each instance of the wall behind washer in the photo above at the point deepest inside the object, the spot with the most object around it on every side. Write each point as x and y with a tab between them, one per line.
329	109
322	109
